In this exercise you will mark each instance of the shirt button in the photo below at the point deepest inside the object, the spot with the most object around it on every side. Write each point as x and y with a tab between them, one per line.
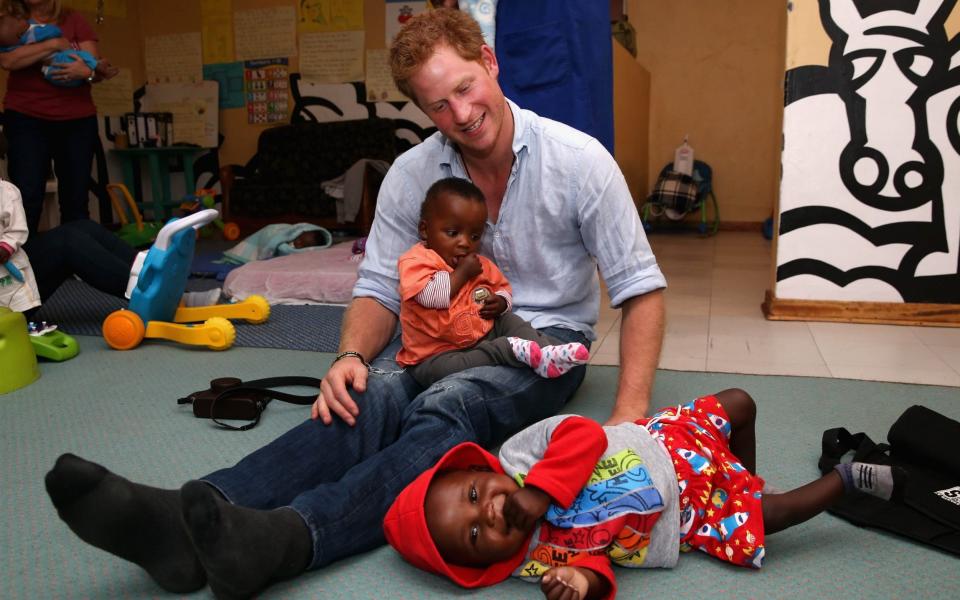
496	234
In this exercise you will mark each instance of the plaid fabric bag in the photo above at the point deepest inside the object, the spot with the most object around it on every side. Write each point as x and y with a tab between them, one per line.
674	191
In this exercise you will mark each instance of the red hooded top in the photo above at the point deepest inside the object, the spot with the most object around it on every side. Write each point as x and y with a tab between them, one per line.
575	447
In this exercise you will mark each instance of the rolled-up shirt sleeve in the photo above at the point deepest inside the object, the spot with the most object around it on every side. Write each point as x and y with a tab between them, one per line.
612	231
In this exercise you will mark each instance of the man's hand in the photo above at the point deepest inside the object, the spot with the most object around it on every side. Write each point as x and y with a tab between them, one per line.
4	255
523	507
493	307
565	583
627	414
334	398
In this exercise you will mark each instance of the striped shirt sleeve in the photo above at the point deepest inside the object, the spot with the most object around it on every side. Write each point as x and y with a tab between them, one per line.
436	294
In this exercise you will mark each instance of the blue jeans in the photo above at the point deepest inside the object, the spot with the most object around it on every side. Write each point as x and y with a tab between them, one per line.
33	144
342	479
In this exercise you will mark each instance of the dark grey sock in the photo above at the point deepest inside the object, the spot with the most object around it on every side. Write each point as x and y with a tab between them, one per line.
243	549
135	522
882	481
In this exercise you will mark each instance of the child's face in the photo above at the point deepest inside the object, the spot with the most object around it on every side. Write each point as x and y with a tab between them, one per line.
453	227
306	240
11	28
464	511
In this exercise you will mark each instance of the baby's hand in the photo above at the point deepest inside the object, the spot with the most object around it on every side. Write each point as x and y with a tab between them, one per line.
493	307
469	266
523	507
564	583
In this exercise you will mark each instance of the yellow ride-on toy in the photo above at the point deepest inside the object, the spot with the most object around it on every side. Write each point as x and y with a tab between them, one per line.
157	282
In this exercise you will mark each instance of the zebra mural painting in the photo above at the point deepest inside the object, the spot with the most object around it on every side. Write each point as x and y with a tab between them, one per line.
870	194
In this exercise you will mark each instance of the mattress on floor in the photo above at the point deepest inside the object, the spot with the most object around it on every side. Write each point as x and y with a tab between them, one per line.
324	276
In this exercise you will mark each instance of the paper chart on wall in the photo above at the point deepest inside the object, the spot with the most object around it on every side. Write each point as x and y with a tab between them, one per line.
399	12
267	88
174	58
216	25
265	32
114	96
230	77
330	15
379	82
335	57
194	107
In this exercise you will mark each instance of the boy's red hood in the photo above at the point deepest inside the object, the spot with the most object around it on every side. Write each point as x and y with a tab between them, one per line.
406	525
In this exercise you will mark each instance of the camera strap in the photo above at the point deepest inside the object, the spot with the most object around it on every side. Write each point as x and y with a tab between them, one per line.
262	388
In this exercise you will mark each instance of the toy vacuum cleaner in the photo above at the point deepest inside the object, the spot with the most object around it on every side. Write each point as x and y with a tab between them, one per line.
157	282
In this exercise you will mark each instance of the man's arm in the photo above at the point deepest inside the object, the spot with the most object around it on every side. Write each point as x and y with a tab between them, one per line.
367	328
641	336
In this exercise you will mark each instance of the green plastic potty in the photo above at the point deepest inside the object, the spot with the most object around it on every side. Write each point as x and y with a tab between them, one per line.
18	361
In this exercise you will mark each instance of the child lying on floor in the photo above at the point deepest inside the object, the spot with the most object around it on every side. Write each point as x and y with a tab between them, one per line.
568	496
279	239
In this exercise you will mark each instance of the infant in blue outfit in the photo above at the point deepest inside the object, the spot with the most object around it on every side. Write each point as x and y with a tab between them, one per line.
37	32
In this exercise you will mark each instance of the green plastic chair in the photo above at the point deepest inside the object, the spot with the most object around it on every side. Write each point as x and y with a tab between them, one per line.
18	362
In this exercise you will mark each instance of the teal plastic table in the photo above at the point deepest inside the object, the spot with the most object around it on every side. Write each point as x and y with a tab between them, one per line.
158	160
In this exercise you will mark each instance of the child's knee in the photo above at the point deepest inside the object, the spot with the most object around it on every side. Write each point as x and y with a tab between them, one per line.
739	405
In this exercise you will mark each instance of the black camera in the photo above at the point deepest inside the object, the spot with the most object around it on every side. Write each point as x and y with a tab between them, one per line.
217	402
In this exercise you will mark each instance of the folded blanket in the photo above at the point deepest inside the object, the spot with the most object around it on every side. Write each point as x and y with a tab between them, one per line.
275	240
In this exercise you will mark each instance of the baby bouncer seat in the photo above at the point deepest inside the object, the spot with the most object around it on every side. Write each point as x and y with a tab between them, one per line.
676	195
157	282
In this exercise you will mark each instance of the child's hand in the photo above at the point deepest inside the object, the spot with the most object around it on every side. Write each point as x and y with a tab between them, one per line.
4	255
105	69
493	307
469	266
523	507
564	583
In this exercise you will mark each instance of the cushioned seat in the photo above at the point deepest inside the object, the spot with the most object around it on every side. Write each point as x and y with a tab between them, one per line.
282	182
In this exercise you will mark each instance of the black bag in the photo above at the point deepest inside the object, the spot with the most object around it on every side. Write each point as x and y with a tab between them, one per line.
924	443
232	399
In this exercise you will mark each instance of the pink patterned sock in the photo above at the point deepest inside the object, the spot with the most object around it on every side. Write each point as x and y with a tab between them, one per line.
559	359
526	351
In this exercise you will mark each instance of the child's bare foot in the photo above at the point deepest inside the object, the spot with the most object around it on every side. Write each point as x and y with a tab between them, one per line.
135	522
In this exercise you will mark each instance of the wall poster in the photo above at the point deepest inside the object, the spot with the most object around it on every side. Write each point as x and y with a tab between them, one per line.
266	88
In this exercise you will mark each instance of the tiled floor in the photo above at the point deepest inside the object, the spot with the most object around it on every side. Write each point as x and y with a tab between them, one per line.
714	323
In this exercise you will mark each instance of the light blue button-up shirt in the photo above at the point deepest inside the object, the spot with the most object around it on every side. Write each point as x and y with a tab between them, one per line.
566	211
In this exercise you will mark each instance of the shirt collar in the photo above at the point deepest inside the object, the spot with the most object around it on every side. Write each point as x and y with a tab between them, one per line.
449	155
